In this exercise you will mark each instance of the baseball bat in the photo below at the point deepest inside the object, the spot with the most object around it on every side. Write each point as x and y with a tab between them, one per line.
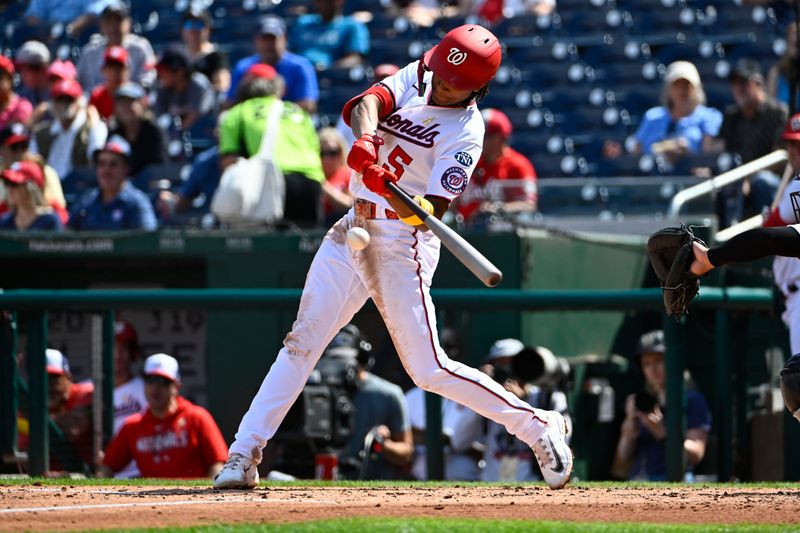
475	261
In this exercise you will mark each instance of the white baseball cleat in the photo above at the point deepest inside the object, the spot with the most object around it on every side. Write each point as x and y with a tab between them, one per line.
553	453
239	472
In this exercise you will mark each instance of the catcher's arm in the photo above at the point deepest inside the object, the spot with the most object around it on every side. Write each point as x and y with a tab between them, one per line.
748	246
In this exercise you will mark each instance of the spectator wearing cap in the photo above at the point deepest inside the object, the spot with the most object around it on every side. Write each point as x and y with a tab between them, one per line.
57	71
503	180
129	397
61	70
204	56
69	405
24	183
300	79
14	143
173	438
115	73
751	128
68	140
32	60
681	125
13	108
506	457
115	30
641	451
134	122
181	92
115	204
75	14
329	39
296	147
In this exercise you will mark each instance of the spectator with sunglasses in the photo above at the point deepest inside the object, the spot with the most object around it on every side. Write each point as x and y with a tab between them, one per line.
173	438
336	197
32	60
14	142
204	55
114	204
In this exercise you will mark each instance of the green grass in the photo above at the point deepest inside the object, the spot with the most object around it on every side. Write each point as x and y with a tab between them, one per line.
438	525
78	482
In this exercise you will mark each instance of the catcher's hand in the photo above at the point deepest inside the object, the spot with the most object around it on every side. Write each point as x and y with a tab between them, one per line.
671	254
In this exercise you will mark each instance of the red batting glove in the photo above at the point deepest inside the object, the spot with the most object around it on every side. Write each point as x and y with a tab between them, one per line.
375	178
364	152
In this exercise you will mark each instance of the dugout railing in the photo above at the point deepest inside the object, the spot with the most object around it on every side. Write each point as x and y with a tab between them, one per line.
34	305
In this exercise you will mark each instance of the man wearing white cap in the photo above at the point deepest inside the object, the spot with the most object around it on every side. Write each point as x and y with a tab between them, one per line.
115	204
507	458
172	439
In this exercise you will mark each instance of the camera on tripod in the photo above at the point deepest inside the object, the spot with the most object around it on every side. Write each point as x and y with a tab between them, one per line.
323	413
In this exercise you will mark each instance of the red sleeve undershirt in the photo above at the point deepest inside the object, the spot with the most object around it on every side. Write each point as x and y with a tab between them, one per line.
384	95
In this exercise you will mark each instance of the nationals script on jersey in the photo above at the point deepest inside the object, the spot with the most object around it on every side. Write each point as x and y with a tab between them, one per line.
431	149
787	269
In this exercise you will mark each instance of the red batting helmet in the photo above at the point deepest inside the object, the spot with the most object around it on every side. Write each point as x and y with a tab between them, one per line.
467	57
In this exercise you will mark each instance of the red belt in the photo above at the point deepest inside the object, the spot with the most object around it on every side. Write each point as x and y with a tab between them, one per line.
369	210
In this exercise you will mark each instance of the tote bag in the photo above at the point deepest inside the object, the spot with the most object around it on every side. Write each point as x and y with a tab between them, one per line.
253	190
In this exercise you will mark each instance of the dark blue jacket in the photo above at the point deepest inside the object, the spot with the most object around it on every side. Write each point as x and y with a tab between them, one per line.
131	209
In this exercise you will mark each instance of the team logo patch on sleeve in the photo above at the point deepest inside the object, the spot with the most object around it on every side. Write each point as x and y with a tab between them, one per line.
454	180
464	158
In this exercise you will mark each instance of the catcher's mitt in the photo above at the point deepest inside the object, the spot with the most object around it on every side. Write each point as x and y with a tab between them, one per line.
670	251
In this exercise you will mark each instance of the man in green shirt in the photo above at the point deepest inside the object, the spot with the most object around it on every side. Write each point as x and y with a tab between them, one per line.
296	145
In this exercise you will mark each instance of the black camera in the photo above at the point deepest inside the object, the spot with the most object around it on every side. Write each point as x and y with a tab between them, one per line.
645	402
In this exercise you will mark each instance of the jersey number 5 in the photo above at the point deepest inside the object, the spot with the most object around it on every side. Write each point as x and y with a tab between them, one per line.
398	158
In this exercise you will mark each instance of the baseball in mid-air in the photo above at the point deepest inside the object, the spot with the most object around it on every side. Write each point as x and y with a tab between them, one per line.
357	238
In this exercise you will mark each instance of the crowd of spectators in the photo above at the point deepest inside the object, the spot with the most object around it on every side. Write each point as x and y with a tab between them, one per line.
190	106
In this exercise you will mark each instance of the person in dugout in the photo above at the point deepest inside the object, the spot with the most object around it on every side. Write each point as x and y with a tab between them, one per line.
172	439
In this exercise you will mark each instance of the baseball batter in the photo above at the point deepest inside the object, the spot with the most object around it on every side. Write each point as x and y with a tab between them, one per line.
422	129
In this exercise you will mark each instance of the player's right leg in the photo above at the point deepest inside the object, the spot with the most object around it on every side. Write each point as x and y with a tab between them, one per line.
331	296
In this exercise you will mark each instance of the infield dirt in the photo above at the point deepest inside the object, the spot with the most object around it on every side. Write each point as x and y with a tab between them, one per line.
54	508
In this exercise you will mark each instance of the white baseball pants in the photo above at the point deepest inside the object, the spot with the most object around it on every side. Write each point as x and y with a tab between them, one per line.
395	270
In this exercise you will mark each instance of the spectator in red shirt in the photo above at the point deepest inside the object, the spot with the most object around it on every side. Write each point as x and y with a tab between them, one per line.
13	108
70	407
498	163
336	197
172	439
115	73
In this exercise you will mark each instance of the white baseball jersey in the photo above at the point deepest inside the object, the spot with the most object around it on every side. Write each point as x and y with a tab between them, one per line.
129	400
431	149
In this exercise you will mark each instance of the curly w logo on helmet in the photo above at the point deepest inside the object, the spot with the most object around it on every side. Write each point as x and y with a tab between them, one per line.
456	56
